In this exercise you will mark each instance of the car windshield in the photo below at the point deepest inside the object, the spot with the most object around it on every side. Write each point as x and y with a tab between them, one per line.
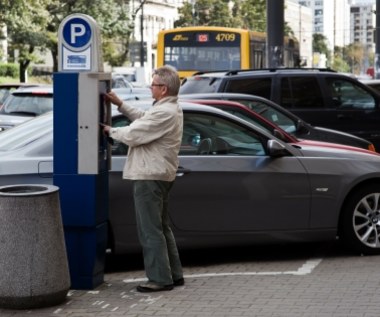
26	133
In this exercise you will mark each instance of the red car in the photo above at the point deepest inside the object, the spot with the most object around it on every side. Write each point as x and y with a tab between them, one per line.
251	116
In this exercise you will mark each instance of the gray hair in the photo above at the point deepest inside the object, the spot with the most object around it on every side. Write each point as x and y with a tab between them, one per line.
168	76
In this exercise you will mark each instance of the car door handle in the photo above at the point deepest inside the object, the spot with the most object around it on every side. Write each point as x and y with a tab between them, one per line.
182	171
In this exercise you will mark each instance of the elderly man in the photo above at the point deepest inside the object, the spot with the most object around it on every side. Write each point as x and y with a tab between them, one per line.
154	138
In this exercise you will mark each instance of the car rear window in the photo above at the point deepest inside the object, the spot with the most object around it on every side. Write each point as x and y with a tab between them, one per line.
198	84
28	103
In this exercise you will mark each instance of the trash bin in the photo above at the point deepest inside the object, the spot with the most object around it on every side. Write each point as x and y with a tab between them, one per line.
33	262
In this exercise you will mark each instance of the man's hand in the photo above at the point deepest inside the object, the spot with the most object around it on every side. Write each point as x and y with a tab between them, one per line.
106	128
112	97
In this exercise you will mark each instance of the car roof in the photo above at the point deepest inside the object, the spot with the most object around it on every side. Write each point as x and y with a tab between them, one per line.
44	89
17	85
263	71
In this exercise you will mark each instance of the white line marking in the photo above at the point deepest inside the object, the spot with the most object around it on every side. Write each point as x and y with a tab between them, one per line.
305	269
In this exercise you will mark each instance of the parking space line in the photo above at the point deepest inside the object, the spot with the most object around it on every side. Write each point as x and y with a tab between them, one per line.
304	269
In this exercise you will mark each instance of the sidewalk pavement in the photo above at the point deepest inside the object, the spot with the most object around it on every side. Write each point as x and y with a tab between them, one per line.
327	286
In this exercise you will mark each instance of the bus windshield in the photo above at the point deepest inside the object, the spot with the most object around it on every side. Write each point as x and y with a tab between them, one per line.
202	58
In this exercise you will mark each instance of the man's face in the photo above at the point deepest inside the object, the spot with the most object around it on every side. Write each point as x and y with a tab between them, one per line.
158	89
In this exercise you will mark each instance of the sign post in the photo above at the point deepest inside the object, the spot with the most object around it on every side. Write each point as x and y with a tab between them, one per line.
81	151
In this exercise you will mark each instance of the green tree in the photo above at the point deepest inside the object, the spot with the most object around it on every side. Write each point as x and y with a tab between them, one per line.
112	16
354	56
245	14
186	16
242	14
252	14
26	22
34	24
204	12
320	46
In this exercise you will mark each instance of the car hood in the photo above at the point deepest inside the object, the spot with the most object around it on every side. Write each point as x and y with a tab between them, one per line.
309	148
326	130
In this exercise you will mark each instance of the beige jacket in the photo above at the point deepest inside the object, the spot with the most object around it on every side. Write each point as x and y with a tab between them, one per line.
154	138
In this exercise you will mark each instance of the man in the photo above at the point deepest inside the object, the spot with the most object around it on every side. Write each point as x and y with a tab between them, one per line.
154	138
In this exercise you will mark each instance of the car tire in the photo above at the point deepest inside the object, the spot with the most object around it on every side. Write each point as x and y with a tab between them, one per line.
360	230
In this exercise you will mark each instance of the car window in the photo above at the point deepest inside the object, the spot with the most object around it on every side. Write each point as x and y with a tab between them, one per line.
5	92
120	82
254	86
247	117
301	92
375	86
198	84
35	104
271	114
348	95
205	134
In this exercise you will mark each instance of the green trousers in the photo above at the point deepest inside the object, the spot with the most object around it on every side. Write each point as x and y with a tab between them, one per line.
161	258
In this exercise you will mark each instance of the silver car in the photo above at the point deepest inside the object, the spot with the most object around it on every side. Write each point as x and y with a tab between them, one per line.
236	185
25	104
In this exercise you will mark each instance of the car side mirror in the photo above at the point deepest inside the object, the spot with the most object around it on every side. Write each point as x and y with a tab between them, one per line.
301	127
276	149
279	135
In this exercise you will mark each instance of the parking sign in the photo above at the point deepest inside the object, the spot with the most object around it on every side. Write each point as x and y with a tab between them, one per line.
77	33
79	44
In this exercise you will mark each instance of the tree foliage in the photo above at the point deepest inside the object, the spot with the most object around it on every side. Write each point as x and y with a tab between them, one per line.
35	23
242	14
320	44
26	22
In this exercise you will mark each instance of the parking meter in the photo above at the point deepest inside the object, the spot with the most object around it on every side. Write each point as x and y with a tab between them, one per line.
82	154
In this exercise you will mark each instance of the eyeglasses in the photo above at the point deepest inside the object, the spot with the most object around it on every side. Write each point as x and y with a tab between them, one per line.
157	85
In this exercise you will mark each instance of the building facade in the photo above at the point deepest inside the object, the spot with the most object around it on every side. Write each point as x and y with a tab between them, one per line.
300	19
331	19
153	16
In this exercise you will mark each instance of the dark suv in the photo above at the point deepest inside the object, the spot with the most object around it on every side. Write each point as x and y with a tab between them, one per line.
321	97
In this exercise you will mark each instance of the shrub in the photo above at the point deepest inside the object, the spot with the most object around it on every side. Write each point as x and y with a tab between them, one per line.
9	70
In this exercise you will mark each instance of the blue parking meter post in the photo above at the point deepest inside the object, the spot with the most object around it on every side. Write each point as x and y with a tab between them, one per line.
81	151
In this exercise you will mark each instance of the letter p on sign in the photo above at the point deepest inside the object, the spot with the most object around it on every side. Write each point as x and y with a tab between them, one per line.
77	30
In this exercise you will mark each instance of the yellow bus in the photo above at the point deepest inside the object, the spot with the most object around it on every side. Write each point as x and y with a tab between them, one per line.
208	48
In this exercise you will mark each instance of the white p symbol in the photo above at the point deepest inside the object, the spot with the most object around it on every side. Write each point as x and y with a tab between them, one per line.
76	30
